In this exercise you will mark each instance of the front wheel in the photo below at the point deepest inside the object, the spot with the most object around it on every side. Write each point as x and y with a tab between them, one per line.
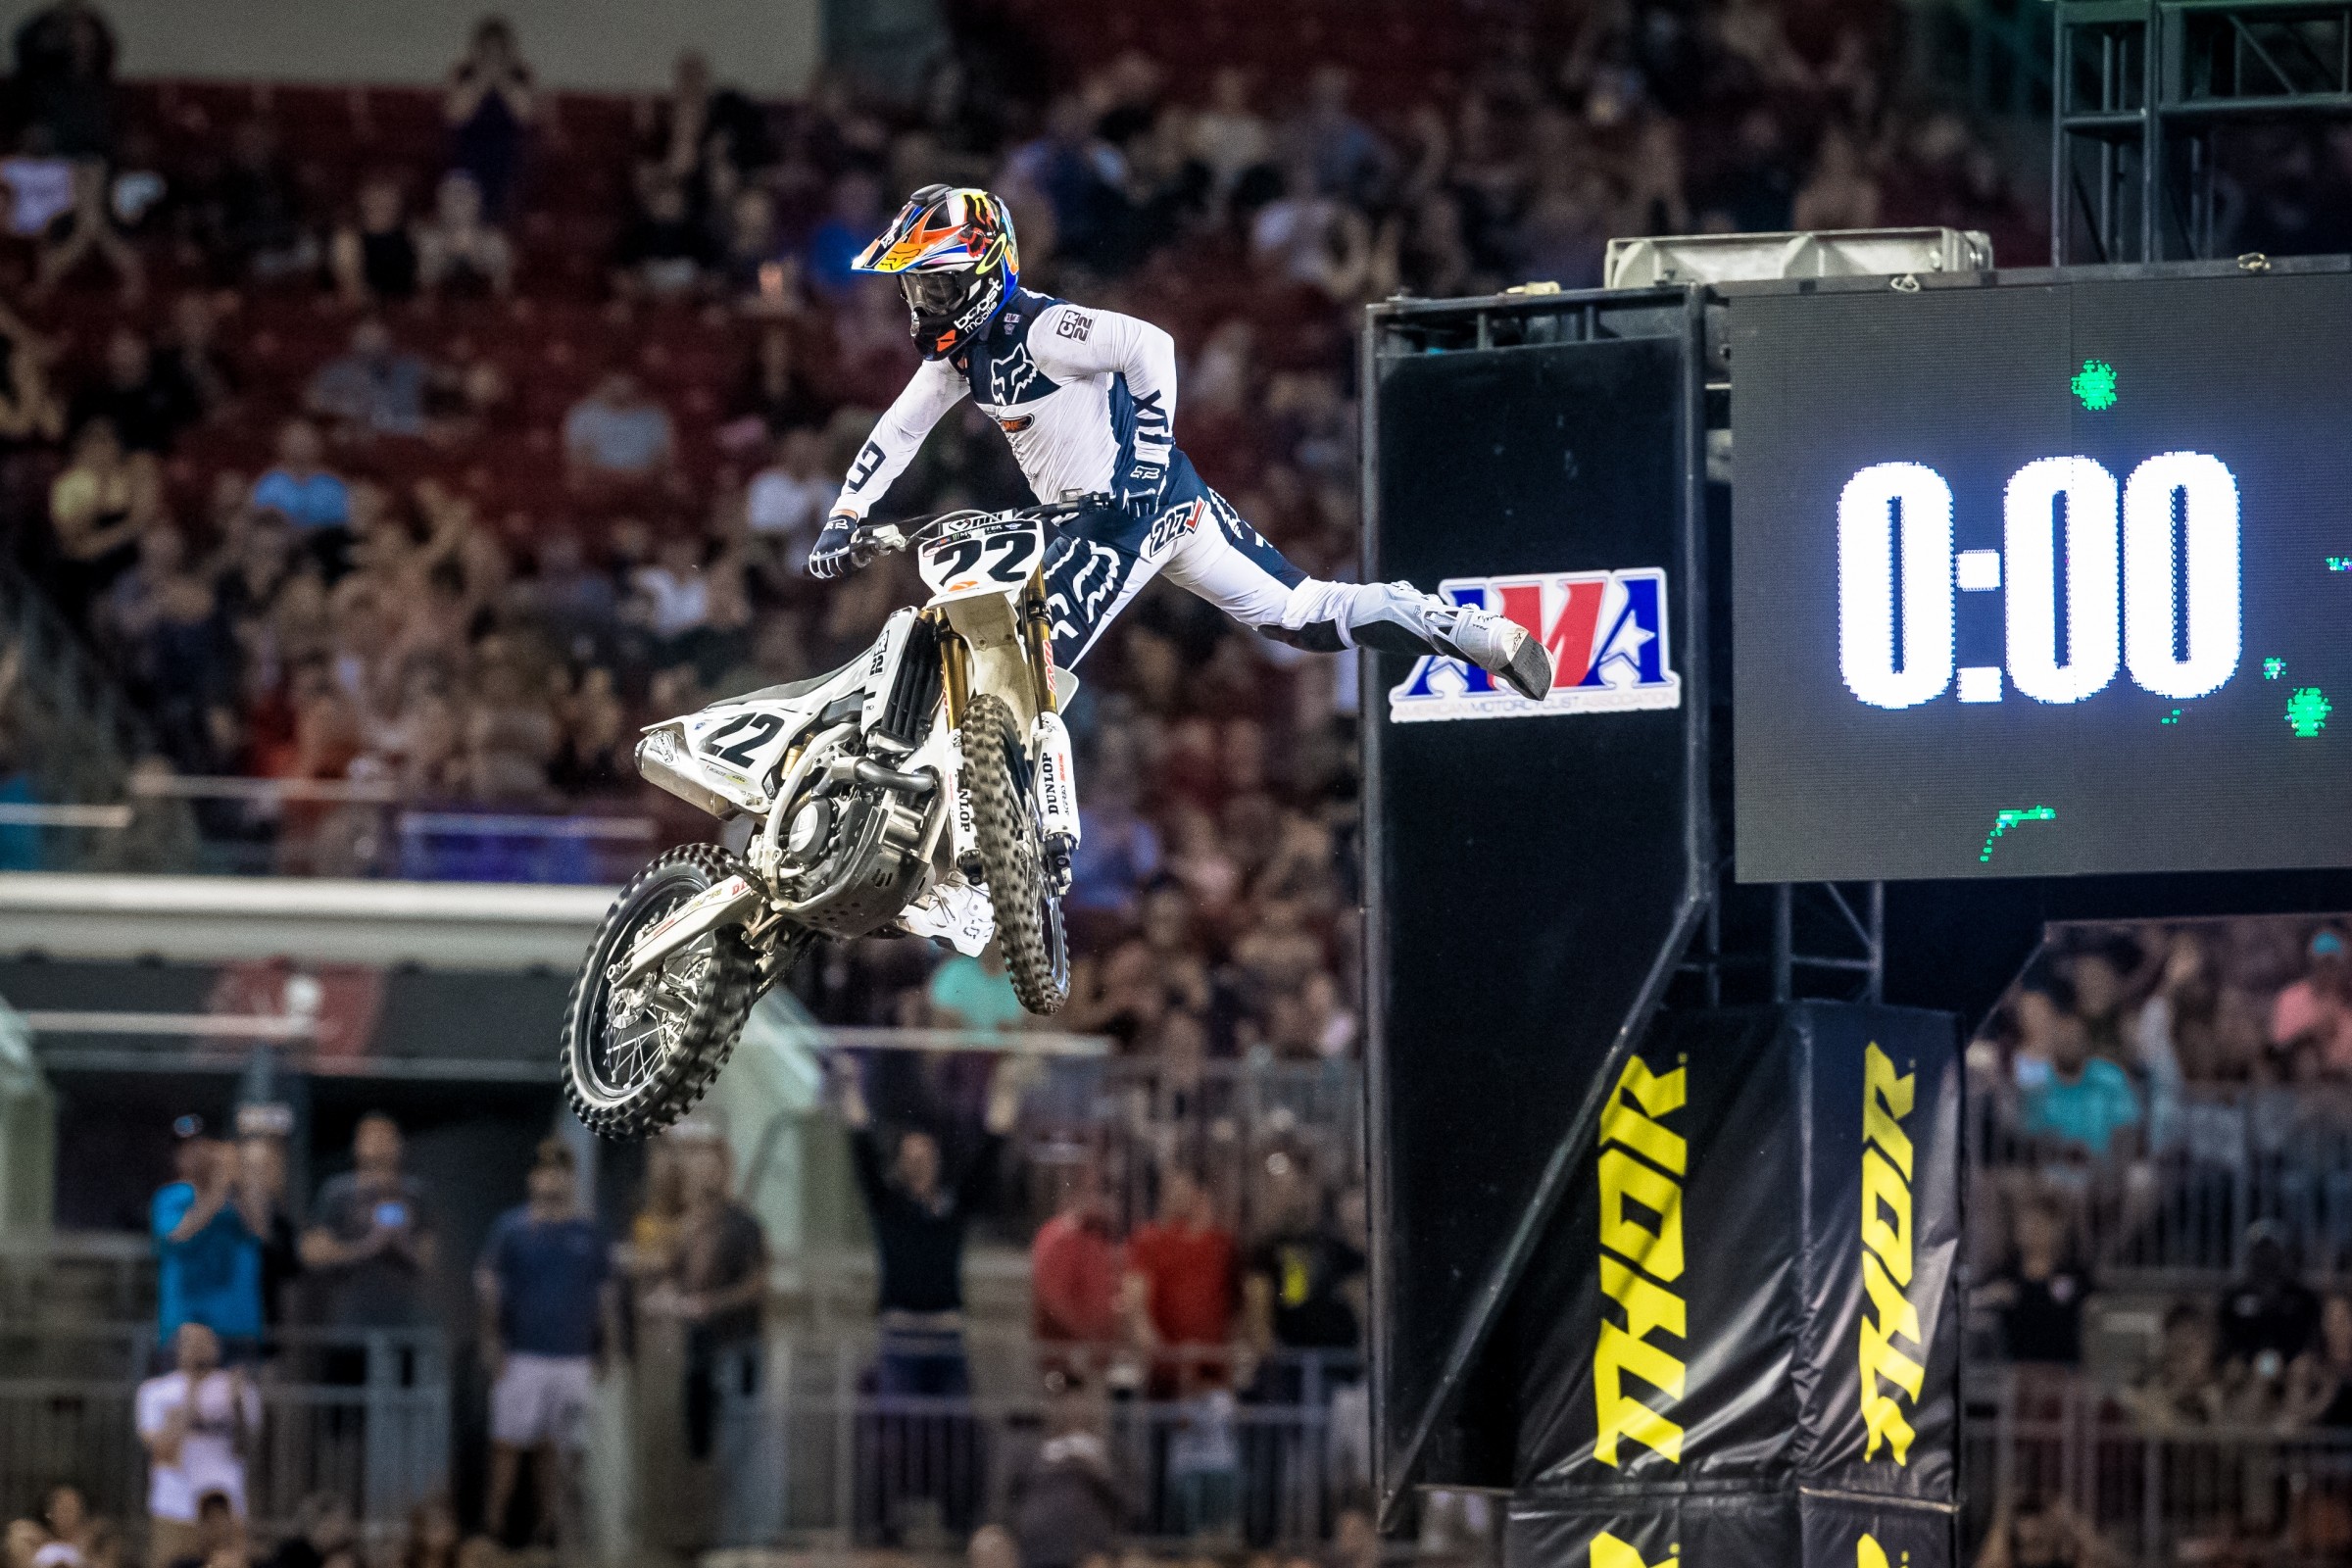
1005	821
636	1059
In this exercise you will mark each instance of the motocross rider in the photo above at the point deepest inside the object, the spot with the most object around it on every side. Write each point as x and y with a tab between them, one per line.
1088	400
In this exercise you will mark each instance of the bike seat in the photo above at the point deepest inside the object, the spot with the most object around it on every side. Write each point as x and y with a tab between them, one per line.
790	689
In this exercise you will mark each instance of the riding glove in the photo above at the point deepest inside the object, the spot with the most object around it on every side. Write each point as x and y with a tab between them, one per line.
830	556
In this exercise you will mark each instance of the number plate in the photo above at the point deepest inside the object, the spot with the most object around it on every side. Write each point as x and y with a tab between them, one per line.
988	559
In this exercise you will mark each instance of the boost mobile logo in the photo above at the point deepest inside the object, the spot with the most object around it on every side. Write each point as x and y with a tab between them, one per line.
1610	1553
1639	1264
1887	1257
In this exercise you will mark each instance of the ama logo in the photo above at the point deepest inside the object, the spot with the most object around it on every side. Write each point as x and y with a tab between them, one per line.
1607	635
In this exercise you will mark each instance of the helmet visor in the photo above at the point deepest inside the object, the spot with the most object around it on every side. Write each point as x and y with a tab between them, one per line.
935	293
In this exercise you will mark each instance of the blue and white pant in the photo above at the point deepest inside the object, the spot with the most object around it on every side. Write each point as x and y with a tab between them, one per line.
1102	559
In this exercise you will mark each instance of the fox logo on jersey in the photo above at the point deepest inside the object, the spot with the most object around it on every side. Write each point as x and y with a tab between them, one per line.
1606	631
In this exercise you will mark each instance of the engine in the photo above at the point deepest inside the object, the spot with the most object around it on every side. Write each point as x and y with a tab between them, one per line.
854	846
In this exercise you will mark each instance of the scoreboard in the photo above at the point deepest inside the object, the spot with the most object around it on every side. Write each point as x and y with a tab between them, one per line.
2043	578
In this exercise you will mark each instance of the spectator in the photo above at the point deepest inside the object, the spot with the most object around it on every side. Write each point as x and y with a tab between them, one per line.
30	411
250	219
372	1242
460	251
1300	1295
373	257
1067	1506
671	598
1343	158
753	264
617	435
97	509
198	1423
209	1270
301	489
2045	1533
548	1310
1228	136
775	391
488	108
323	1529
663	251
2319	1383
2268	1316
189	362
717	1287
992	1547
375	388
433	1539
65	81
260	1201
2318	1007
2184	1385
2038	1299
788	499
968	993
75	1539
2081	1100
848	228
572	599
920	1216
1840	192
219	1539
1075	1266
145	408
1190	1266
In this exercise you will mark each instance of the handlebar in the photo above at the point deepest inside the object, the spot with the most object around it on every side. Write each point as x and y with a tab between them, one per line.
871	539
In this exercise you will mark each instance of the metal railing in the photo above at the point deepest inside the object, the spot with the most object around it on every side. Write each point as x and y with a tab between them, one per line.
364	1416
2255	1496
2206	1162
1137	1115
846	1460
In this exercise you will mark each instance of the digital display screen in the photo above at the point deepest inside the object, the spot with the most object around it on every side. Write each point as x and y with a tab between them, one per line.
2044	579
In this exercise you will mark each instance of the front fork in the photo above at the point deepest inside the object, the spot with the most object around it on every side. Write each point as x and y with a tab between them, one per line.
1054	777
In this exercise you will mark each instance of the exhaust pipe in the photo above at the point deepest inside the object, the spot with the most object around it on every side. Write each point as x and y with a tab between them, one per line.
658	757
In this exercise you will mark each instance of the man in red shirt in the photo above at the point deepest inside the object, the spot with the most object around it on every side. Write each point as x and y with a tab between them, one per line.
1075	1266
1189	1264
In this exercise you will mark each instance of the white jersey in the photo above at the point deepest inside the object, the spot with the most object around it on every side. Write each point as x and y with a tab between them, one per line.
1082	395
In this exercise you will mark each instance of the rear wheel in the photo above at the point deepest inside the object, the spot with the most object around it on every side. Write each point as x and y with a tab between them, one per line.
1005	821
636	1059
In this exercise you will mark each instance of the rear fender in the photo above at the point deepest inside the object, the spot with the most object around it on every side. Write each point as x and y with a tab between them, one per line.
723	904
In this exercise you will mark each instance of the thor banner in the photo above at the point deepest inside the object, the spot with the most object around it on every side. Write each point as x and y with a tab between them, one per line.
1752	1284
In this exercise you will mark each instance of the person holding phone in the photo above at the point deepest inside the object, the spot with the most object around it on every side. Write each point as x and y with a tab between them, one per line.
371	1243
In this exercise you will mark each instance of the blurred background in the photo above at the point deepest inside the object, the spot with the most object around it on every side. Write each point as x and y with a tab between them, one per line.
399	406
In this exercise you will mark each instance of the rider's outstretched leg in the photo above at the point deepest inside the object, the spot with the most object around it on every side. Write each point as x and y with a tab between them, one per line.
1230	563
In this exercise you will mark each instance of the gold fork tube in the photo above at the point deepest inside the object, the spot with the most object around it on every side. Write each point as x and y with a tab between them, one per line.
1037	634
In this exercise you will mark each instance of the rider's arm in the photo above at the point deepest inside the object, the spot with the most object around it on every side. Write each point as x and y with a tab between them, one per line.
936	388
1069	342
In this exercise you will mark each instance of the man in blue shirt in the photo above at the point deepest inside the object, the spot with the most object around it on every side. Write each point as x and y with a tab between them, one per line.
301	488
2080	1098
546	1286
209	1262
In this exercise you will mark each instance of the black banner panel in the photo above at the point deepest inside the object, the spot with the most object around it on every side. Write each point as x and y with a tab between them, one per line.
1533	866
2042	579
1734	1531
1753	1286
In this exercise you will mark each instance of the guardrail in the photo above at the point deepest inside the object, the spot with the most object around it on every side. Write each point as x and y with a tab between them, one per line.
363	1416
2039	1442
2205	1163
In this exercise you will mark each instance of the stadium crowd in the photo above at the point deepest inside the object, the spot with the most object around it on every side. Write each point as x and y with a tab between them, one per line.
426	444
427	448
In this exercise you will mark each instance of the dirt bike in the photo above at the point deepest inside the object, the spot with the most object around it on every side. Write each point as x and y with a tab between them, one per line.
881	797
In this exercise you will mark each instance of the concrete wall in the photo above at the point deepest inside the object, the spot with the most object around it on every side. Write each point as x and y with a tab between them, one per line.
771	47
